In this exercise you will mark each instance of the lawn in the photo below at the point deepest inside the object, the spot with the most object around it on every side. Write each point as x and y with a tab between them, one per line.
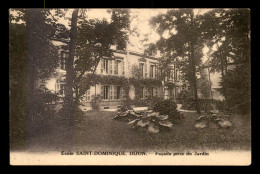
97	131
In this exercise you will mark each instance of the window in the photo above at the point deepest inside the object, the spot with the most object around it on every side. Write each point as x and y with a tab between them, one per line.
116	62
104	66
145	70
110	66
118	92
177	75
155	91
63	60
62	89
88	97
123	94
152	94
123	64
156	72
145	93
152	71
105	92
142	69
142	92
170	93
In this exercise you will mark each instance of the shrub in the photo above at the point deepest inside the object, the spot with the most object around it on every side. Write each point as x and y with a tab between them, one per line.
168	107
204	104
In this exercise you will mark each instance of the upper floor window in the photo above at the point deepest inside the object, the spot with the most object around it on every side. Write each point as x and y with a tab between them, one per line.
111	67
62	89
116	62
63	60
142	69
104	66
88	97
151	71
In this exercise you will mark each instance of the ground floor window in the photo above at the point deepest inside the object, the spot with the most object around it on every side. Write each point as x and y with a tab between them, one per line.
104	92
152	92
88	97
170	92
144	93
62	89
112	92
118	92
155	91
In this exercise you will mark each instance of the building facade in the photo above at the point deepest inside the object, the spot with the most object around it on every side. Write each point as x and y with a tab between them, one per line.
127	65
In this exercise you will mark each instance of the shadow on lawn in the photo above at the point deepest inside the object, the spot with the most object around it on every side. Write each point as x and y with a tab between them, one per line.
96	130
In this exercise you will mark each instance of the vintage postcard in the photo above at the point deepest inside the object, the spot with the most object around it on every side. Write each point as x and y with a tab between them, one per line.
130	86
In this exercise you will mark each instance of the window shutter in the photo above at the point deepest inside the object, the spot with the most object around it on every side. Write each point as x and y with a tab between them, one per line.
115	92
145	69
116	67
110	67
146	92
102	66
111	92
156	72
123	64
102	92
122	93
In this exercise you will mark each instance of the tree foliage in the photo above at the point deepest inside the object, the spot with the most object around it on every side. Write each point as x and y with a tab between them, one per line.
232	38
94	40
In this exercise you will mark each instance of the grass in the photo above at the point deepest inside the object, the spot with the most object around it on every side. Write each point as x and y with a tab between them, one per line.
95	130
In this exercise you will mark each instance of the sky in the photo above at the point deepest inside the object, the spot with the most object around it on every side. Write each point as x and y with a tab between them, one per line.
141	18
140	21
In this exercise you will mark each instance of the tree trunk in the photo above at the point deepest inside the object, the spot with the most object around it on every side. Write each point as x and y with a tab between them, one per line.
193	67
223	74
68	102
32	75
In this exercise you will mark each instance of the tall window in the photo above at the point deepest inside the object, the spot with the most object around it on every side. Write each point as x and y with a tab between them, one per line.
110	66
62	89
123	64
170	92
142	92
118	92
142	69
145	93
63	60
152	71
155	91
156	72
105	92
104	66
152	94
88	97
176	75
116	67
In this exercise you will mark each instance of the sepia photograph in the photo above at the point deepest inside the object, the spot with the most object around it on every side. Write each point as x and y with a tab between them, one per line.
130	86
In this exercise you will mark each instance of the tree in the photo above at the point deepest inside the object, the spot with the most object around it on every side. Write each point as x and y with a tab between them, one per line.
68	101
94	38
231	36
32	60
184	42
